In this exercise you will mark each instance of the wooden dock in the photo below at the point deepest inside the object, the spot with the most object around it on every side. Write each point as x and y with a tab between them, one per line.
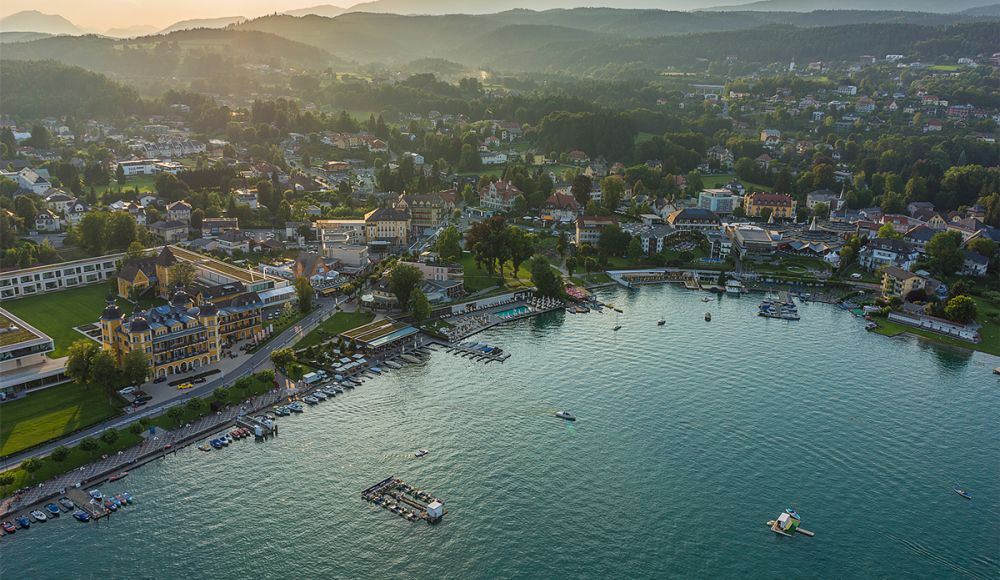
82	500
409	358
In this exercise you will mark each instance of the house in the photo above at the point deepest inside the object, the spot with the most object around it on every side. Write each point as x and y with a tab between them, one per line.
846	90
247	197
46	221
231	240
864	105
736	187
975	264
560	208
764	159
750	241
695	218
499	196
901	223
770	137
589	228
596	171
58	200
217	226
171	230
719	201
919	205
885	252
133	167
387	229
872	213
781	205
179	211
578	157
418	159
969	332
310	265
75	212
831	199
426	211
652	236
918	236
493	158
897	281
933	125
147	199
31	180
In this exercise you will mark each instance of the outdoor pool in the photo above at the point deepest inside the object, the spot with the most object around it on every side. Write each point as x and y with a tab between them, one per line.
512	312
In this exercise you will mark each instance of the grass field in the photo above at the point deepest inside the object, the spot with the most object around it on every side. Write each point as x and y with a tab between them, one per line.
143	182
57	313
717	181
50	413
643	137
339	322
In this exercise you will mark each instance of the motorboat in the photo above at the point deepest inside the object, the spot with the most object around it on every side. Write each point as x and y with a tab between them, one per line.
96	494
67	505
114	499
566	415
392	365
618	310
319	395
963	493
39	515
215	443
661	322
53	510
120	498
81	515
127	497
355	380
376	370
23	521
337	389
421	452
311	400
8	527
118	476
110	505
792	513
282	411
349	384
205	447
616	327
708	299
295	408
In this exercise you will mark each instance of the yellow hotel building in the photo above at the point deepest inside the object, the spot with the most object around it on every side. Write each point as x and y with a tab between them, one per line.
180	336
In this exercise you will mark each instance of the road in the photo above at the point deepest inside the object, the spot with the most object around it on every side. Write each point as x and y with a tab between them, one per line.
257	360
55	239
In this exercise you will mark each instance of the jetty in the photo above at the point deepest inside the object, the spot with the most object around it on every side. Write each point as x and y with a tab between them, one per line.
476	351
392	494
87	503
787	524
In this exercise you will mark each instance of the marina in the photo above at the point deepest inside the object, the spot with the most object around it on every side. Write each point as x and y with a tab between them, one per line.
391	493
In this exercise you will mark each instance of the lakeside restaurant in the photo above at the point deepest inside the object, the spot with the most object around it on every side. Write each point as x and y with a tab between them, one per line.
382	336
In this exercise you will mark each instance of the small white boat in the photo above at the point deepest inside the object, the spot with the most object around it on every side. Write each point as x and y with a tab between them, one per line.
392	365
376	370
661	322
421	453
616	327
39	515
565	415
311	400
319	395
708	299
295	407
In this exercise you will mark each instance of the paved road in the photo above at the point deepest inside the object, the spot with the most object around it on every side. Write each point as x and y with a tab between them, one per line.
256	361
55	239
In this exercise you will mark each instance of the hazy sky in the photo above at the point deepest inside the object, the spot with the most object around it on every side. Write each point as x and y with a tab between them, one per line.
104	14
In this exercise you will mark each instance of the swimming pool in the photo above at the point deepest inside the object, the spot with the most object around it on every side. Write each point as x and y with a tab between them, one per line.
512	312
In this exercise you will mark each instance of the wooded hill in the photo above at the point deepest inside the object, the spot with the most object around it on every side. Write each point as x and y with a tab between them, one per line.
38	89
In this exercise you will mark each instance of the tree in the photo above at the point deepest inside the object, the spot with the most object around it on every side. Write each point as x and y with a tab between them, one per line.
613	240
304	291
6	479
846	255
448	245
739	212
959	288
571	265
59	455
80	359
983	247
562	244
487	241
244	384
31	465
90	445
522	246
822	211
136	428
581	188
421	306
92	231
120	175
686	256
590	264
221	393
283	357
961	309
110	436
135	251
547	282
180	274
765	214
635	249
613	189
103	371
175	413
944	249
888	232
403	280
266	375
135	367
195	404
520	206
694	182
26	210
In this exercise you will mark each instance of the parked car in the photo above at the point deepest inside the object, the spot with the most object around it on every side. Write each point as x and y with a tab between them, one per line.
198	380
128	390
185	386
142	398
139	403
159	379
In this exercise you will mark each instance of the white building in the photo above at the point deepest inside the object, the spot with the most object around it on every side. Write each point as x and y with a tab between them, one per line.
53	277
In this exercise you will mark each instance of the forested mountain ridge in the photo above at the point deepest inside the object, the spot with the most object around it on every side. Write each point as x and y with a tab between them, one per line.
50	88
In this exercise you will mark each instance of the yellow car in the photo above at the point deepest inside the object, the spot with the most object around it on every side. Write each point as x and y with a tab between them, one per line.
184	386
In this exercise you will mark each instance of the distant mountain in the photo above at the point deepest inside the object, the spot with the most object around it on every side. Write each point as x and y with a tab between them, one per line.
494	6
21	36
131	31
936	6
992	11
201	23
521	36
326	10
35	21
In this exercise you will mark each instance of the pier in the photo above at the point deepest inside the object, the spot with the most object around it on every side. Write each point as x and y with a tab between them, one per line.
391	493
475	352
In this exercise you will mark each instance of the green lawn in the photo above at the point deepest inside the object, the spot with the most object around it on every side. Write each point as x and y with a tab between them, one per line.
717	181
143	182
281	325
587	280
50	413
643	137
339	322
57	313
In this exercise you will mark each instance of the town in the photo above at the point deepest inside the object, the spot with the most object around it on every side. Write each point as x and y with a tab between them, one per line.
173	263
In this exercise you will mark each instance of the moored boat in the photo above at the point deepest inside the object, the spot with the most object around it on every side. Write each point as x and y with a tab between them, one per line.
311	400
53	510
319	395
120	498
23	521
127	497
616	327
118	476
295	407
39	515
96	494
67	504
81	515
110	505
8	527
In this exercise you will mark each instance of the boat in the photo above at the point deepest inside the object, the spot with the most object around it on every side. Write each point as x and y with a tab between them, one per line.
339	389
121	498
661	322
786	524
67	504
8	527
421	453
376	370
616	327
565	415
354	380
392	365
319	395
734	287
114	499
618	310
53	510
39	515
205	447
311	400
81	515
128	497
963	493
708	317
708	299
96	494
295	408
118	476
792	513
349	384
110	505
215	443
23	521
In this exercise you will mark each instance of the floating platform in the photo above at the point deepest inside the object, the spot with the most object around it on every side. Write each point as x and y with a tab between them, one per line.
391	493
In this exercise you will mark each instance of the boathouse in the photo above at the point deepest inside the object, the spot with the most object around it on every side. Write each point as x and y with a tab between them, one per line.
382	336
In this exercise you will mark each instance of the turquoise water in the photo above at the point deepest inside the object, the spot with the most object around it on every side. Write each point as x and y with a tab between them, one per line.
689	437
511	312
